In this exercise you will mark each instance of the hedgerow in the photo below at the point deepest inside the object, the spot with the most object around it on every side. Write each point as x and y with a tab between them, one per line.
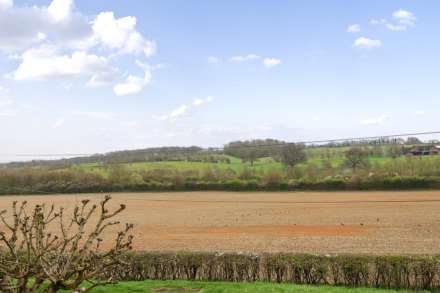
392	272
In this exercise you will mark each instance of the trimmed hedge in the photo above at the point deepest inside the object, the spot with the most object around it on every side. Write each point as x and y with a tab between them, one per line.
390	272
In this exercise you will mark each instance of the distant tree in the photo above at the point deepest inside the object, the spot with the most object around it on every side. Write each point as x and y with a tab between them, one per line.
395	151
413	140
250	154
251	150
291	154
356	157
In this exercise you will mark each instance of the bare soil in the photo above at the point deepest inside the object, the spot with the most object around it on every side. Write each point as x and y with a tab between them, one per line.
302	222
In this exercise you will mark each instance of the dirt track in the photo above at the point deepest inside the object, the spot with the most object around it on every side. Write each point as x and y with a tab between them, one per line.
312	222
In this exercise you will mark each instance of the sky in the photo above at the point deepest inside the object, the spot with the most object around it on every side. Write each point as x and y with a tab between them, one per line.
89	76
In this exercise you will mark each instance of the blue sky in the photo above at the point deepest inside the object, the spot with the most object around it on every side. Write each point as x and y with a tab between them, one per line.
92	76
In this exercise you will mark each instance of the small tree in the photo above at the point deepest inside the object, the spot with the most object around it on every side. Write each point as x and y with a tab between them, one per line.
292	154
356	157
395	151
33	255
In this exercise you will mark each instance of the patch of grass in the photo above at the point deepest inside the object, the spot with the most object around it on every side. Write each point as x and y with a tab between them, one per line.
223	287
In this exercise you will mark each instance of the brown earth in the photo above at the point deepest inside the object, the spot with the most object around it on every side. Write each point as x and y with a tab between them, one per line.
307	222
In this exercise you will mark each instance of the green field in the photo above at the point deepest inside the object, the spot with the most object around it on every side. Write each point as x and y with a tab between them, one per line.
236	164
220	287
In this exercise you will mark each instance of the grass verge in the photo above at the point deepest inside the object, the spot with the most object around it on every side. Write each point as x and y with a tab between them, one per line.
224	287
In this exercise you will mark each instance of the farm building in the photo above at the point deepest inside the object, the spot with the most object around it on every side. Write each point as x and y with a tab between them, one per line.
423	150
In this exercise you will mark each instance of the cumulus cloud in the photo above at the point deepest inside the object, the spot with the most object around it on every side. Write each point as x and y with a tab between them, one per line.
367	43
60	10
23	27
44	63
57	41
375	120
103	78
132	84
245	58
354	28
404	17
401	21
121	34
271	62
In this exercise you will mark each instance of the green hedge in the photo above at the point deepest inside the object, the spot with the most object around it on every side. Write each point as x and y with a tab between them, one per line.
386	183
352	271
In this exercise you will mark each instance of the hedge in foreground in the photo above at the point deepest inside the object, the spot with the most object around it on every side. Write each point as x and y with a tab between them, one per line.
352	271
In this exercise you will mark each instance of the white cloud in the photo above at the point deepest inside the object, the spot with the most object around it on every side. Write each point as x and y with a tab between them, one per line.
45	63
132	85
148	67
354	28
61	10
121	34
176	113
6	4
23	27
404	17
271	62
103	78
248	57
214	60
376	120
60	122
418	113
200	102
367	43
55	41
180	111
183	110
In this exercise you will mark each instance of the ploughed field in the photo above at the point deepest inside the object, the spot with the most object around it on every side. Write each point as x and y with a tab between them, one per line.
301	222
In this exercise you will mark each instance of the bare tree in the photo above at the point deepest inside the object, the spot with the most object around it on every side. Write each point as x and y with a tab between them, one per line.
291	154
33	256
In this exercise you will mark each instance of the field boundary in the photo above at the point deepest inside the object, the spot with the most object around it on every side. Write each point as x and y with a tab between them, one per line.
70	186
391	272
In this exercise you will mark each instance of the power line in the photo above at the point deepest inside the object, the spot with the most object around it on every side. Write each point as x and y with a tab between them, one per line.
306	142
